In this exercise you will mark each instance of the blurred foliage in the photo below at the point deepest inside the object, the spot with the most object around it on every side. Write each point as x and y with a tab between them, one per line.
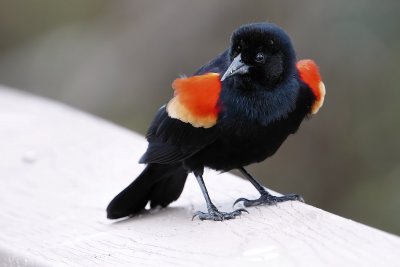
21	20
116	59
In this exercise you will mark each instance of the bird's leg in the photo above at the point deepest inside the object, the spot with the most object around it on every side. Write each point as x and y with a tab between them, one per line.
213	212
265	198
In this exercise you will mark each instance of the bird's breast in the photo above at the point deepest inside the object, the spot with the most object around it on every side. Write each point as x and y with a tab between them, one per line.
239	106
243	146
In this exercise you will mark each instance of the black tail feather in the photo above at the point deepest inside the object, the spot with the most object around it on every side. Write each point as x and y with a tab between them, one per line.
160	184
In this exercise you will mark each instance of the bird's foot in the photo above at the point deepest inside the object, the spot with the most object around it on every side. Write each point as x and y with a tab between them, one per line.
215	215
268	199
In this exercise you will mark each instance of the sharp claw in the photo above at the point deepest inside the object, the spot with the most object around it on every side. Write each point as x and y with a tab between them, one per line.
244	210
267	199
219	216
238	200
241	210
196	214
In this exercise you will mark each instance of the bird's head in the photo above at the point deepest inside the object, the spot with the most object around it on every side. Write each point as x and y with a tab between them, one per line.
261	53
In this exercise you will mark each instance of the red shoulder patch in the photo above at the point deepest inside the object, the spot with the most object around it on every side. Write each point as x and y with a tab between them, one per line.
196	100
309	73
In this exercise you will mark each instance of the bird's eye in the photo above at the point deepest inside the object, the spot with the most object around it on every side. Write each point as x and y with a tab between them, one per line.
238	48
259	57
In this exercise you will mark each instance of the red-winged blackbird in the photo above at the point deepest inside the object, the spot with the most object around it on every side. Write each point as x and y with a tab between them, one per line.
234	111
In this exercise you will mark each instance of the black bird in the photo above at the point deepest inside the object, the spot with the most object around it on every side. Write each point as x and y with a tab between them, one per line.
234	111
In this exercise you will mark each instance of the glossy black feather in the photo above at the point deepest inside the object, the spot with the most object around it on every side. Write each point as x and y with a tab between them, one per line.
259	110
219	64
171	140
158	184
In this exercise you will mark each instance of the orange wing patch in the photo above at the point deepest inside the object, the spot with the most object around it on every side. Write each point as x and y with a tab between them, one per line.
309	73
196	100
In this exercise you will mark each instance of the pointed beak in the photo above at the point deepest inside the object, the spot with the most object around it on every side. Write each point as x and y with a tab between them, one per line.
237	67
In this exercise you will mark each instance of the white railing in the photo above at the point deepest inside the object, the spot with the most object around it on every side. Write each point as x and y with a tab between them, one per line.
59	168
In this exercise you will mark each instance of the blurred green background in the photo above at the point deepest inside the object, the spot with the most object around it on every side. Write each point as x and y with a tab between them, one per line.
116	59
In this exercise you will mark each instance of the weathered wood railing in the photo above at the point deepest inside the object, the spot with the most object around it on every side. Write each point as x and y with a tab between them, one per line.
59	167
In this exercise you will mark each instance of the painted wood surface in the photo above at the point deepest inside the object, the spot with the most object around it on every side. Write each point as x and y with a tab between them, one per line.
60	167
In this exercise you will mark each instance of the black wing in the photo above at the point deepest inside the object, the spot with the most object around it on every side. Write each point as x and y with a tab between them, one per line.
219	64
171	140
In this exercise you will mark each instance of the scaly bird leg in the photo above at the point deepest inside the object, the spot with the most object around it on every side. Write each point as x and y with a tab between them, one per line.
213	212
265	198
